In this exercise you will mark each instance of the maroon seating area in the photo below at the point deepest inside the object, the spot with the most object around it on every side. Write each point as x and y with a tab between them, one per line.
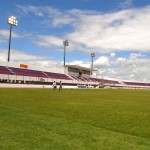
96	80
57	76
43	74
84	79
5	70
110	81
104	81
27	72
33	73
137	83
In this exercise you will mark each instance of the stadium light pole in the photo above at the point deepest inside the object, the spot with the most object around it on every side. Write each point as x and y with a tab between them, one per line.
92	55
65	43
13	22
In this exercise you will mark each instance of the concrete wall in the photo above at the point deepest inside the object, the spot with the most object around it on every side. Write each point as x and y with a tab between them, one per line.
6	85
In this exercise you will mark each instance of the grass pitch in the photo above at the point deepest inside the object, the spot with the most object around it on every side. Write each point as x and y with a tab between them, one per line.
74	119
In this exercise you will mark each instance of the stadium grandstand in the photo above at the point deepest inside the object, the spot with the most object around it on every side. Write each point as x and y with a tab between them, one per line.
73	76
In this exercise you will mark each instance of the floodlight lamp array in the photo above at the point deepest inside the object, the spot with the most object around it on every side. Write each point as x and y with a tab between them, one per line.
92	54
66	43
12	20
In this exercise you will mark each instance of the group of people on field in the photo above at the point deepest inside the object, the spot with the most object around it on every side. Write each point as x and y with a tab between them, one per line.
55	85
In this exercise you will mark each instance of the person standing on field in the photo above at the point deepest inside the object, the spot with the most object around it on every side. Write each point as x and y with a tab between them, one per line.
54	85
60	86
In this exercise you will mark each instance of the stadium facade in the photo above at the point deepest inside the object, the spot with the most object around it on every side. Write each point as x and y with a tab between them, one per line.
72	76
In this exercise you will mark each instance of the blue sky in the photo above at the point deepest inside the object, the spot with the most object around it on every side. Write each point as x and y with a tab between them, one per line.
117	31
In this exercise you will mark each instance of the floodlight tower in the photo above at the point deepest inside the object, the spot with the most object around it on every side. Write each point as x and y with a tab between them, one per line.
65	43
13	22
92	55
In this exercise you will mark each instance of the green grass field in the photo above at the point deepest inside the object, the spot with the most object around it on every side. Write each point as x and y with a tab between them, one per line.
74	119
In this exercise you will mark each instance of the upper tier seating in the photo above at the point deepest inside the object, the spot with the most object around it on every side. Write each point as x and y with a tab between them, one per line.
104	81
82	79
75	78
110	81
96	79
87	79
27	72
137	84
33	73
57	76
5	70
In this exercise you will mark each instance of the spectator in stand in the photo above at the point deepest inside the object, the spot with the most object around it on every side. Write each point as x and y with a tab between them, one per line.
54	85
60	86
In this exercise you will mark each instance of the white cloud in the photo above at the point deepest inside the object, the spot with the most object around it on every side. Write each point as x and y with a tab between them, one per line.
119	31
23	57
130	68
48	41
80	63
136	55
112	54
49	16
132	76
122	30
5	35
56	43
28	8
101	61
126	3
121	60
62	20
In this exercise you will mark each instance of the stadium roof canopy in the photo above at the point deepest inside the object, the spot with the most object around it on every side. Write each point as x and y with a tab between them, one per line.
80	67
